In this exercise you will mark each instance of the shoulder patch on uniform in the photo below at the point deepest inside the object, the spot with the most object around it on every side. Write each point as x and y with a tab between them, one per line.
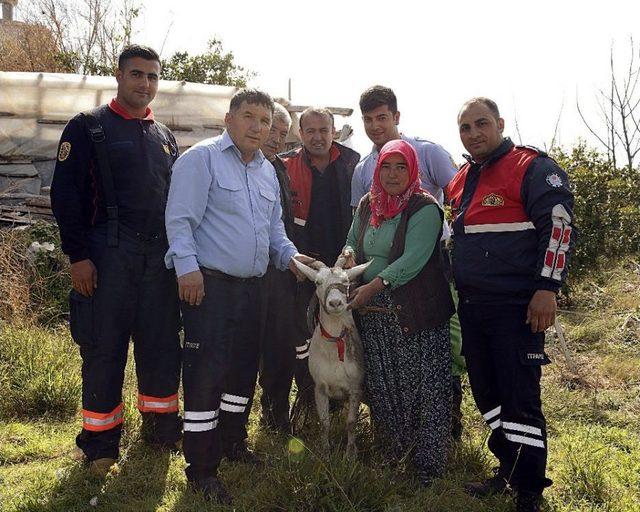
533	148
65	150
493	200
554	180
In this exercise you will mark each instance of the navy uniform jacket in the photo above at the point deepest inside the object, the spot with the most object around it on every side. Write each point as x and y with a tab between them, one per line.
513	225
141	153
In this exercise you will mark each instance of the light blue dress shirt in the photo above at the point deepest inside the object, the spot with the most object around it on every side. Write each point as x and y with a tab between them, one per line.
436	171
223	214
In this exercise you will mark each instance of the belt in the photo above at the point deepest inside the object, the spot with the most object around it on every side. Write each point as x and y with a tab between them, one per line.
221	275
143	237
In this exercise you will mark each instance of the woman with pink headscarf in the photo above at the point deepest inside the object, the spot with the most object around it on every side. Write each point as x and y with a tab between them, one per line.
404	305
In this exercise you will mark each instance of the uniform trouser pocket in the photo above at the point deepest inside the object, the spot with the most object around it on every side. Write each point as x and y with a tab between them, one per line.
531	353
81	318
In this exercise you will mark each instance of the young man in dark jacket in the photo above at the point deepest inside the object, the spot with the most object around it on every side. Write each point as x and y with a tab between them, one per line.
108	195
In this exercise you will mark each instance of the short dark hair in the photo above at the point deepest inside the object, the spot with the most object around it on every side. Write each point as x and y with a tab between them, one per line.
252	97
136	50
377	96
316	111
481	100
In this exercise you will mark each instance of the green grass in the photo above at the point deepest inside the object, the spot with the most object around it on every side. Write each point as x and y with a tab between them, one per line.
594	435
39	373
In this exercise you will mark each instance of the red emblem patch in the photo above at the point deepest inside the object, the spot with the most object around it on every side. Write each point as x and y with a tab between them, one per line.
493	200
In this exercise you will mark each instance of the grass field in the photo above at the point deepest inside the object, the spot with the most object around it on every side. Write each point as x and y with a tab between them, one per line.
594	434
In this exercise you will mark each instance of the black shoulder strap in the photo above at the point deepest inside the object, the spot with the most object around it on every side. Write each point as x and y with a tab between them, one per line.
96	133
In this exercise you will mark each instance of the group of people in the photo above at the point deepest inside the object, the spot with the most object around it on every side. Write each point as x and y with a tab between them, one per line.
205	241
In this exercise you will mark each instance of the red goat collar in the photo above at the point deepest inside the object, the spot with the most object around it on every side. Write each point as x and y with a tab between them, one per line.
338	340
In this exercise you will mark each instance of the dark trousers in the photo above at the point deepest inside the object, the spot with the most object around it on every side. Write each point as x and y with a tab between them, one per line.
277	346
219	370
504	360
304	381
136	298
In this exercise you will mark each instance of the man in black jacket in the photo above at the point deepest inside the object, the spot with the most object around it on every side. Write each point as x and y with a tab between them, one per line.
512	234
320	175
277	343
108	195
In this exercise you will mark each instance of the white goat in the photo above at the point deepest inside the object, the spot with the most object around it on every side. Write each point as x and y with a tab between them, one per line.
335	352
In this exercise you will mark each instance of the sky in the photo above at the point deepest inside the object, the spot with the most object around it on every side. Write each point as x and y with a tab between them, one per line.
534	59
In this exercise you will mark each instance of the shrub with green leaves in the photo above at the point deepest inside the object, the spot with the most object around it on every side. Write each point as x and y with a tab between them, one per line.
607	208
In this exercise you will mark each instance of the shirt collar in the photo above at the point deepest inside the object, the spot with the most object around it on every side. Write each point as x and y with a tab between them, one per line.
334	154
227	142
122	112
374	149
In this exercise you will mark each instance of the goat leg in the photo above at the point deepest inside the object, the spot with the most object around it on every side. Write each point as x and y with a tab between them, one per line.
352	418
322	406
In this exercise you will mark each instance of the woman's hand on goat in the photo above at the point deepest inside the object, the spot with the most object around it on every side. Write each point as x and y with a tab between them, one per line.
362	295
349	261
191	288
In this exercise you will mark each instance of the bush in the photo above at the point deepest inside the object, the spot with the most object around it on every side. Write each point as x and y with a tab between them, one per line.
607	209
50	281
39	373
34	286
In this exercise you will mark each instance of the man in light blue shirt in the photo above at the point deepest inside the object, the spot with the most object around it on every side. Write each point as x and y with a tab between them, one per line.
224	223
381	118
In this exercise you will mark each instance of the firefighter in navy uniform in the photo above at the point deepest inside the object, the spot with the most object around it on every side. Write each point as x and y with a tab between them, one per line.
108	195
512	234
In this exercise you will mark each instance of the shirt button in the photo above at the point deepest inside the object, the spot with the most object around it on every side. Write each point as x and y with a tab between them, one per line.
405	329
398	307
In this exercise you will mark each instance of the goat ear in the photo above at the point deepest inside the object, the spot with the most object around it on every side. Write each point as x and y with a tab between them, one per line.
307	271
355	272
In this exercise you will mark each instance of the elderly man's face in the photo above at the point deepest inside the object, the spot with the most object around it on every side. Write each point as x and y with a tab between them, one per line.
276	140
249	126
480	131
316	132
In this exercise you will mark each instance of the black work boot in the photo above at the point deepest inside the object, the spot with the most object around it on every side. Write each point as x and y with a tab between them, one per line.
212	490
494	485
528	502
238	452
